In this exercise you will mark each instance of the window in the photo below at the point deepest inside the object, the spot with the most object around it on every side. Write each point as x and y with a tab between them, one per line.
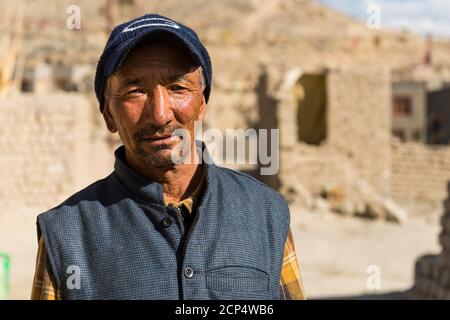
402	106
312	109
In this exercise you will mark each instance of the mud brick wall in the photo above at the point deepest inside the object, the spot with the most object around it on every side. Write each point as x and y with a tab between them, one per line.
43	147
358	142
419	172
359	121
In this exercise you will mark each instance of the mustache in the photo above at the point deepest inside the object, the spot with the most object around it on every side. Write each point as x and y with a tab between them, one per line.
152	130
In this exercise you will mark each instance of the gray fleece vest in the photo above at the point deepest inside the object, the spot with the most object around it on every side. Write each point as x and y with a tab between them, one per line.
116	239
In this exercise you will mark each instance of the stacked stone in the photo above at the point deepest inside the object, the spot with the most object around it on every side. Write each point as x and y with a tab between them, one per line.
432	273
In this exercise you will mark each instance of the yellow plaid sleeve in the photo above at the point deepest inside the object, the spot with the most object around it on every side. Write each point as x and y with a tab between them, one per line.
44	287
291	282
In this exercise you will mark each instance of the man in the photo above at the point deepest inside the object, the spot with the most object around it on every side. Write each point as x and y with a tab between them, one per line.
156	228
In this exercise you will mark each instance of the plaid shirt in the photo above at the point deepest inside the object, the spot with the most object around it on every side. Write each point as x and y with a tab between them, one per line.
291	283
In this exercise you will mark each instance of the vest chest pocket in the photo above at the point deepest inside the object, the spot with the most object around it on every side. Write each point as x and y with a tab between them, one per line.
237	280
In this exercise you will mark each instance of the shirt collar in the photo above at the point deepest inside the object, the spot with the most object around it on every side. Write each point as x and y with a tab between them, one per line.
190	202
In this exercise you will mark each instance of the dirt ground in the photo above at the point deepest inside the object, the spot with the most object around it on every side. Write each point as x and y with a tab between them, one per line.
334	252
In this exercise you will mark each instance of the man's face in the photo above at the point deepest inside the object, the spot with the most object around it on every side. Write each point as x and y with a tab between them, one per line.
156	90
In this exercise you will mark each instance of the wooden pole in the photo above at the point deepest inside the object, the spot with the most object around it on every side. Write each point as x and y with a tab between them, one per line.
9	62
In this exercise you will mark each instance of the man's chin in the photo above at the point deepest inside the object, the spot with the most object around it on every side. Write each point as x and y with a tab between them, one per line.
160	158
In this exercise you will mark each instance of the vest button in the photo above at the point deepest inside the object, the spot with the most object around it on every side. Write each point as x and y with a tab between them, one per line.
188	272
167	222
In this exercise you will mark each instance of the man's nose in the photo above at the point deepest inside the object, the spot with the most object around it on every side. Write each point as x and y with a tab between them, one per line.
158	110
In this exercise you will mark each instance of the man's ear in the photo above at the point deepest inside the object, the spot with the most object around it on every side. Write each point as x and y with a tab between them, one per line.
107	116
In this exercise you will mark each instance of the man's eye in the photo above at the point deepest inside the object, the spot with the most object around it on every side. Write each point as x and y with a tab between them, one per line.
176	87
135	91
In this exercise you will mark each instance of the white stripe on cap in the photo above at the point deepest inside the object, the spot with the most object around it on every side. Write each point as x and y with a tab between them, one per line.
148	23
